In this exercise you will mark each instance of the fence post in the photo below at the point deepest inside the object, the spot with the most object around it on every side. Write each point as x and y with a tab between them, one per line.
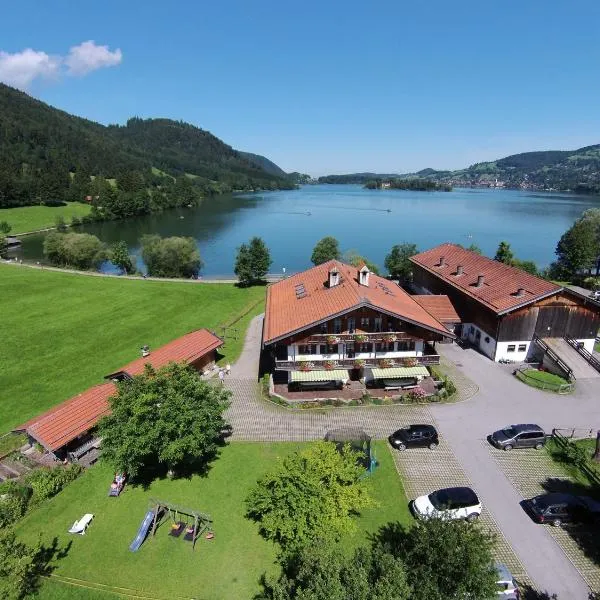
597	452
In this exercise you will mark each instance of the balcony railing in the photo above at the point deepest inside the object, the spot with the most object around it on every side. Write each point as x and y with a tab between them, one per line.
349	363
357	336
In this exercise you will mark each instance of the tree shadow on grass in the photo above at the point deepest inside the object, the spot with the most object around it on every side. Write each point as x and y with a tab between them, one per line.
194	466
529	593
44	562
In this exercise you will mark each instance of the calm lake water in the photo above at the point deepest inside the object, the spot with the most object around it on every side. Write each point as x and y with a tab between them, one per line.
369	221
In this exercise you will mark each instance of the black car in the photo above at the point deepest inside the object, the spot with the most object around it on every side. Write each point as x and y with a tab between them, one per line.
558	508
519	436
415	436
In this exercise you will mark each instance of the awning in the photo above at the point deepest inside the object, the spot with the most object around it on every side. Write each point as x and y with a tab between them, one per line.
400	372
333	375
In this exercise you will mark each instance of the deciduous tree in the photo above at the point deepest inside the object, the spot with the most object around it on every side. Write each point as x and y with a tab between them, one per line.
504	254
5	227
326	249
352	257
444	559
79	250
323	570
171	257
252	262
397	261
314	491
19	567
168	418
577	249
119	256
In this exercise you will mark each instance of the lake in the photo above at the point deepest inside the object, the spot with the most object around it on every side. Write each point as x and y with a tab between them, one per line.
369	221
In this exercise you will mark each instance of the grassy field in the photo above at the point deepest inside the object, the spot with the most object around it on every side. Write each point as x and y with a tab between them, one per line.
558	455
227	567
32	218
62	333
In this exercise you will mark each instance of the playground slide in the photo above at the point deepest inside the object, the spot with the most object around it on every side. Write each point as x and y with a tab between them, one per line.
142	531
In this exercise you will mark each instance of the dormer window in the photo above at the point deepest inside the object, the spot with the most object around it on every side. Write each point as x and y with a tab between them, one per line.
334	277
363	276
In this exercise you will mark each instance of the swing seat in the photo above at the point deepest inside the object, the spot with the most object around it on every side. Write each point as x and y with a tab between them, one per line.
189	534
177	529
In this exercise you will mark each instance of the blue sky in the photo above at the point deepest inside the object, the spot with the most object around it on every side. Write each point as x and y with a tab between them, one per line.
324	87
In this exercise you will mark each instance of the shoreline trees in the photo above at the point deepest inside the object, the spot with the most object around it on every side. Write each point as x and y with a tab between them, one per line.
252	262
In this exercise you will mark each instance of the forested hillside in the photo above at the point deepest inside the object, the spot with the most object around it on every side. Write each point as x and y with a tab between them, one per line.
48	156
573	170
264	163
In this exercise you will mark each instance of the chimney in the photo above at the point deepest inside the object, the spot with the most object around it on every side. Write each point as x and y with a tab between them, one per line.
334	277
459	270
479	281
363	276
442	261
520	292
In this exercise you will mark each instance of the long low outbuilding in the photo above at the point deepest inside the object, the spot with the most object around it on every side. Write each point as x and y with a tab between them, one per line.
67	426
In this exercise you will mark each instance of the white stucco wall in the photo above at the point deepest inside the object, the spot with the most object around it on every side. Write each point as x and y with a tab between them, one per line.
469	332
503	353
588	344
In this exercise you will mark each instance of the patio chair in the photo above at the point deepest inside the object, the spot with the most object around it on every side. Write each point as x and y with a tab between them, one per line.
81	525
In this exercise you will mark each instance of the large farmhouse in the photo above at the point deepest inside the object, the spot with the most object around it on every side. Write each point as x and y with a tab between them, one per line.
337	322
503	308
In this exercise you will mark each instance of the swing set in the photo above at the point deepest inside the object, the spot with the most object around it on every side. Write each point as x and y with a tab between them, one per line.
187	521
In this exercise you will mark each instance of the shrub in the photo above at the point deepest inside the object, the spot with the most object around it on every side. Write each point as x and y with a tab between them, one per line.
14	499
75	221
449	386
46	483
416	395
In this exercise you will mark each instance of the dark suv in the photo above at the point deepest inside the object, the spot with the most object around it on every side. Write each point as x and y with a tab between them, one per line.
556	509
423	436
518	436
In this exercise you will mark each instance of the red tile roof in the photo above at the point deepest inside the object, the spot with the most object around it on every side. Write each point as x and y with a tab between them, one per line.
60	425
439	306
296	303
188	349
501	283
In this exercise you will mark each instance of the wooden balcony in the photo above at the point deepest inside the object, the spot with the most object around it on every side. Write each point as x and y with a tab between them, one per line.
349	363
358	336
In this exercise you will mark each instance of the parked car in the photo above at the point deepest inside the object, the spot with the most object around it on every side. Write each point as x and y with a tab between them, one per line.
450	503
519	436
507	586
558	508
415	436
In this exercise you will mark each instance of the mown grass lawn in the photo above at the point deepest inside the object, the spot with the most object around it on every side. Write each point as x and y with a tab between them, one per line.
227	567
32	218
541	379
62	333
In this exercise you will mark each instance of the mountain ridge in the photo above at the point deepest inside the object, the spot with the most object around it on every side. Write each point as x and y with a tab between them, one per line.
562	170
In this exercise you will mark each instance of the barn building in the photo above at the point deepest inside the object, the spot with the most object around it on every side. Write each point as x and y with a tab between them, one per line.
502	308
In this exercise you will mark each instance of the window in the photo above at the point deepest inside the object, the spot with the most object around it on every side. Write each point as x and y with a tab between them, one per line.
307	349
472	330
384	347
378	321
511	348
350	350
329	348
365	347
323	327
351	324
337	326
522	347
406	346
364	322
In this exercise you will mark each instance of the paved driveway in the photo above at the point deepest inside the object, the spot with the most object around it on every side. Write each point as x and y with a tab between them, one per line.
501	400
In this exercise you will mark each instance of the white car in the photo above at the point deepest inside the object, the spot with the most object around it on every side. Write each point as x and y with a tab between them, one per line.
450	503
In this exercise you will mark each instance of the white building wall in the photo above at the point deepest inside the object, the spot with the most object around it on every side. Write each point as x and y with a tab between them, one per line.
504	350
588	344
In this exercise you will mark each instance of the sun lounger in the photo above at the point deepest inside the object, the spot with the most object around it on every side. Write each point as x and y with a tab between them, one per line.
81	525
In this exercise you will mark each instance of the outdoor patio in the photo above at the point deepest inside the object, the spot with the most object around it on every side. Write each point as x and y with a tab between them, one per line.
353	391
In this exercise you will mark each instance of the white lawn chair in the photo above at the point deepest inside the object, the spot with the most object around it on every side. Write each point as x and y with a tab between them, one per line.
81	525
